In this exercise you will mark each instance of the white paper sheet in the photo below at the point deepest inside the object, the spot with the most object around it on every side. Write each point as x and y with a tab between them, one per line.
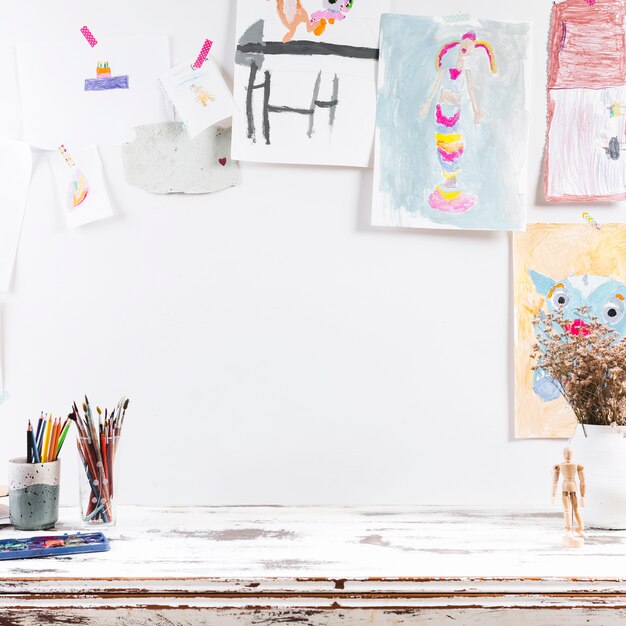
56	107
201	97
305	81
81	188
15	171
10	113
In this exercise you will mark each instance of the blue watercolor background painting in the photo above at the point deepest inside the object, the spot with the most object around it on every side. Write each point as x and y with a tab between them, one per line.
445	166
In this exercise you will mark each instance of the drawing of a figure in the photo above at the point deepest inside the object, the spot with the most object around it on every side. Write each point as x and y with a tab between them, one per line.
201	94
334	10
292	14
450	86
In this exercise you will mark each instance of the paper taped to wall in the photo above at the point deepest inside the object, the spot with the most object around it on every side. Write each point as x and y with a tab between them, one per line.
80	185
452	124
15	173
200	96
78	95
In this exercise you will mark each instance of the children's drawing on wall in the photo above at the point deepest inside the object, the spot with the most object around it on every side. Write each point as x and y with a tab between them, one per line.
105	80
293	14
77	188
573	271
94	95
452	124
303	68
199	95
584	158
454	81
80	185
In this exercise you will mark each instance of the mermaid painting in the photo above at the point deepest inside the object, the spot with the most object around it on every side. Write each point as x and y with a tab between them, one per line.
453	79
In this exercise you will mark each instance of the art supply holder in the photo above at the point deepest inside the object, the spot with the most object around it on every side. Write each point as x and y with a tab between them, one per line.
97	480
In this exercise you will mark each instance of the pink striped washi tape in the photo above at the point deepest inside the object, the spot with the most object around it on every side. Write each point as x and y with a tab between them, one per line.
204	53
88	36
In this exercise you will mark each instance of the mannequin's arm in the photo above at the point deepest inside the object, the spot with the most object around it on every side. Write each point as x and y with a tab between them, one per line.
555	482
583	488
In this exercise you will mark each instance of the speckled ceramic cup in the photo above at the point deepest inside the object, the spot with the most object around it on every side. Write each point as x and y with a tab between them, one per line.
34	494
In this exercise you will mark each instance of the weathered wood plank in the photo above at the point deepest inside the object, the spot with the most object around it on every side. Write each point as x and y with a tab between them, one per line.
320	557
154	616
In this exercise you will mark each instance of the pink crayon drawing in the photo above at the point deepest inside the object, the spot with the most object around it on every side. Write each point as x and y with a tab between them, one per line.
88	36
204	53
586	70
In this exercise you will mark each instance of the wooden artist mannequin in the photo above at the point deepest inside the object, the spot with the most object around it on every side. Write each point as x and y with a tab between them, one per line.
570	471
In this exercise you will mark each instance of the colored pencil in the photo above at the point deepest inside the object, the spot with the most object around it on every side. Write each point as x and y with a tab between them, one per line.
29	444
46	441
44	445
64	431
36	457
39	427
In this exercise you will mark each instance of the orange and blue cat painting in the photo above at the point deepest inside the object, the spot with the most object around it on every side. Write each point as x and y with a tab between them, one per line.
576	272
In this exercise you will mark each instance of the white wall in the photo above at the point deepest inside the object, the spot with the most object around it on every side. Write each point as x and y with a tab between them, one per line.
275	347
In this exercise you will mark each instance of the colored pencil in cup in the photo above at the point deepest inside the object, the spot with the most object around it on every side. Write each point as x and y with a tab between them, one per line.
29	445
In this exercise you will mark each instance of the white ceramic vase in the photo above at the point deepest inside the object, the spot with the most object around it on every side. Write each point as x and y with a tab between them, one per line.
603	453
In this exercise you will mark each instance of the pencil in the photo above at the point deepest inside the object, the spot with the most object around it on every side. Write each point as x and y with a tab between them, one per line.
46	441
36	457
39	426
29	448
53	429
54	439
64	432
40	433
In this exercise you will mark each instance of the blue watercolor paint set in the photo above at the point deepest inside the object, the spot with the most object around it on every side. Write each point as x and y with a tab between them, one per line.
52	545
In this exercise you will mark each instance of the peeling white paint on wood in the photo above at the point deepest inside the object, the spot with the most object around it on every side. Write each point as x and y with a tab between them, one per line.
313	562
149	616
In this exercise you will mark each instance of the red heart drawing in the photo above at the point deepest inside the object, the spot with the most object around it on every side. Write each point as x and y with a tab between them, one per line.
223	161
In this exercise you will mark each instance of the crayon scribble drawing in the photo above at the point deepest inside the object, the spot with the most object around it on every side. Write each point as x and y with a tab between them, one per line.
104	80
78	188
305	80
560	268
451	126
584	157
199	95
82	191
202	96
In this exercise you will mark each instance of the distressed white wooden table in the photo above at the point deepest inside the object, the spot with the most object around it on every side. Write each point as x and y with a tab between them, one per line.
317	566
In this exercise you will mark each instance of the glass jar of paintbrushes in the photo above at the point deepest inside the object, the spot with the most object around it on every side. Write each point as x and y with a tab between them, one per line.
98	440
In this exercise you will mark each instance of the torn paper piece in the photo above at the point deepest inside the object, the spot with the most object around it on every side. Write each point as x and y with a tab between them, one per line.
81	96
15	171
163	159
80	185
200	96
